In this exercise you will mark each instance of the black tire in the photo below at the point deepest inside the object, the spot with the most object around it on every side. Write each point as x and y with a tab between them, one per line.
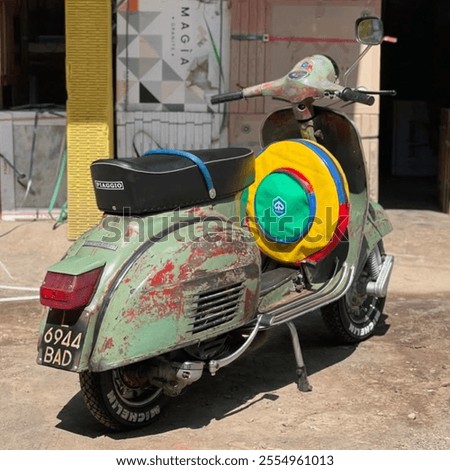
117	404
353	317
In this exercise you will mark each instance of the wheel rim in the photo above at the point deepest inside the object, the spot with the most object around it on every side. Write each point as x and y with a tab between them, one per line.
361	310
132	395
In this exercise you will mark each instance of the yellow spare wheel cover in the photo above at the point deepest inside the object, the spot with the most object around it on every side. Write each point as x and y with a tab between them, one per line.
298	205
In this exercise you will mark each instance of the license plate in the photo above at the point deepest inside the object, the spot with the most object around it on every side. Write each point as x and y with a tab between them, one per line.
61	346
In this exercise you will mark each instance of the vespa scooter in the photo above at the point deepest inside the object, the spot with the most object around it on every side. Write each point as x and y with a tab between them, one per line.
200	252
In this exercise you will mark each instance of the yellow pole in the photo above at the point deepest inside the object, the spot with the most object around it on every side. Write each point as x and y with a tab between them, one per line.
90	127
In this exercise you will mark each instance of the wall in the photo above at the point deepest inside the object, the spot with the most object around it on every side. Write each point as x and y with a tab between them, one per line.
34	144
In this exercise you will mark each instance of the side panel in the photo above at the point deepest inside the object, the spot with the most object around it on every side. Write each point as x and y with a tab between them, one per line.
152	267
194	283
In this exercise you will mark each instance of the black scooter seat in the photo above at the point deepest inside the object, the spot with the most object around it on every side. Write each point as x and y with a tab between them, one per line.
161	182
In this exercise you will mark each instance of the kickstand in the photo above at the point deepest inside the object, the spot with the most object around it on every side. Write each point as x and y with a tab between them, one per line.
302	377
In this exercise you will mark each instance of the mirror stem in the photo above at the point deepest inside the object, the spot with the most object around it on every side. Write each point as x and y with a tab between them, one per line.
357	61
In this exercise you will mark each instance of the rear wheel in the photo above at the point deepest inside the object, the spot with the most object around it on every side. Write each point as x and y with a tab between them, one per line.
117	402
354	316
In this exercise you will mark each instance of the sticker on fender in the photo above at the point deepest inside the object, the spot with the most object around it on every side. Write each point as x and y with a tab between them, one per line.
61	347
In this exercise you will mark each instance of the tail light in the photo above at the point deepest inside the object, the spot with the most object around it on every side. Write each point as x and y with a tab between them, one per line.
68	292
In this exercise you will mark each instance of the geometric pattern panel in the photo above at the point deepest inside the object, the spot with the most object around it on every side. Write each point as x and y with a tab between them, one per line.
170	54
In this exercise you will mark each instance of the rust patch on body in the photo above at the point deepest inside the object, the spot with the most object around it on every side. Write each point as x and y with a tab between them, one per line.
221	251
199	211
196	258
250	302
132	230
108	343
129	315
163	302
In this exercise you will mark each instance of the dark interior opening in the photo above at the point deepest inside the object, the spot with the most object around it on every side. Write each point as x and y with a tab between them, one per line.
36	47
418	67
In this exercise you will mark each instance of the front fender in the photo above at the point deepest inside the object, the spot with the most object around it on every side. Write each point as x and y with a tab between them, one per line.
377	226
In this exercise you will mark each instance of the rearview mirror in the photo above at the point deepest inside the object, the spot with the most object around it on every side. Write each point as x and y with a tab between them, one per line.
369	30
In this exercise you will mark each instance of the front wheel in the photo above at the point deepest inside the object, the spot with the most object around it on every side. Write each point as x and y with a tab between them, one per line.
119	403
353	317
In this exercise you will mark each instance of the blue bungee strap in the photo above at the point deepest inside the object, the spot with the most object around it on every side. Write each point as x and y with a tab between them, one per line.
193	158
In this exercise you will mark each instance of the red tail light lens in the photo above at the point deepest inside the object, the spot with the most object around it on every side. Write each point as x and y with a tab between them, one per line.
68	292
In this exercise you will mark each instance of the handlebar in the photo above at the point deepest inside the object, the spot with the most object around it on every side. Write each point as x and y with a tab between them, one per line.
347	94
224	97
312	78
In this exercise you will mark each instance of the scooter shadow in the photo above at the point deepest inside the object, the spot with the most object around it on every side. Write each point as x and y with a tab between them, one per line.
255	377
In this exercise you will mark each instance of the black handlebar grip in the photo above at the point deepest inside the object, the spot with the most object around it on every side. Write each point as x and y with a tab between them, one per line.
224	97
347	94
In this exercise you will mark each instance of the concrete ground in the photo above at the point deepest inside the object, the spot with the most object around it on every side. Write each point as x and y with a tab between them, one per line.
390	392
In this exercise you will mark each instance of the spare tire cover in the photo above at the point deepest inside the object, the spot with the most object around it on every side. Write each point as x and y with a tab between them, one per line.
298	206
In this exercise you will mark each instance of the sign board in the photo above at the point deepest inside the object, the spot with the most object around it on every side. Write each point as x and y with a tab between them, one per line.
170	54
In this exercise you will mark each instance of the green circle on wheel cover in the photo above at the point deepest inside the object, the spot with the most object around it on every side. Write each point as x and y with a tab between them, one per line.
282	208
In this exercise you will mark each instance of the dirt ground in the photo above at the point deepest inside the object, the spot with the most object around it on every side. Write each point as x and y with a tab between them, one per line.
390	392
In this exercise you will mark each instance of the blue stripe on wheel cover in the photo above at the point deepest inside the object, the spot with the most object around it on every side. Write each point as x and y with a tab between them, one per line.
331	167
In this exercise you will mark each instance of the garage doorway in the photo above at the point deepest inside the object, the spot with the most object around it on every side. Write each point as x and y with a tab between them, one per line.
33	50
418	67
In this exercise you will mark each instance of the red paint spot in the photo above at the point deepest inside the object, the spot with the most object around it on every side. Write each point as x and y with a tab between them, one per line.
129	315
185	271
250	303
107	344
220	251
164	276
172	299
163	302
197	257
196	210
